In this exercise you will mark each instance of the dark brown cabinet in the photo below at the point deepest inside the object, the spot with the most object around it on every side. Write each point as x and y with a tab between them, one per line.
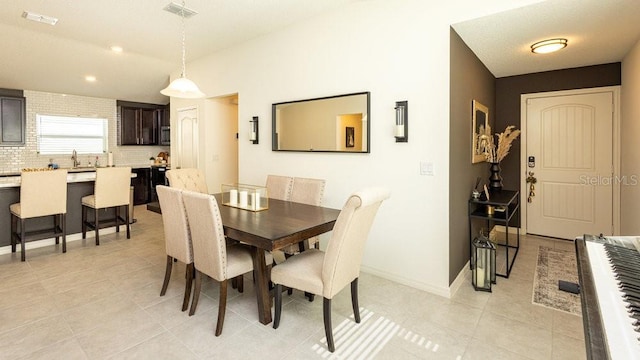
138	126
141	186
12	121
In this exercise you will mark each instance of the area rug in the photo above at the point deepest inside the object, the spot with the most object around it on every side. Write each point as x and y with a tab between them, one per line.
554	265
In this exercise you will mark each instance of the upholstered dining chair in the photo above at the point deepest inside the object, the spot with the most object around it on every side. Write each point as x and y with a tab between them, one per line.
279	187
311	192
211	255
111	190
177	238
42	193
327	273
187	179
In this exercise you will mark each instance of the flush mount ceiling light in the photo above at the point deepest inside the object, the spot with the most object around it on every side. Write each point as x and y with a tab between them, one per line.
116	49
182	87
39	18
548	46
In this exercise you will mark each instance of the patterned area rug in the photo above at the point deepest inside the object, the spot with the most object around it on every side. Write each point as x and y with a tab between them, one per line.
554	265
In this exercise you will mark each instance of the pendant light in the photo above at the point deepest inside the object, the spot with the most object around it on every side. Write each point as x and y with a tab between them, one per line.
183	87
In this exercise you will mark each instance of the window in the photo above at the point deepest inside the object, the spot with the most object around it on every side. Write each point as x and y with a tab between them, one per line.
63	134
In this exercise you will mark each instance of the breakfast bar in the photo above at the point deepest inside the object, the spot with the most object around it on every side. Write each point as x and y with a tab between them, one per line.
79	183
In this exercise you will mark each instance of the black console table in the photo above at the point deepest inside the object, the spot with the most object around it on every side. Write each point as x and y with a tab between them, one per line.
505	204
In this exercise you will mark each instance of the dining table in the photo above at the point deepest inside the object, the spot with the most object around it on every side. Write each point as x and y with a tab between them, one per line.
283	223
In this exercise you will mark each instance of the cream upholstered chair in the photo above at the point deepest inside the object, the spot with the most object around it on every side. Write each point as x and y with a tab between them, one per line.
42	193
177	237
211	255
191	179
279	187
111	191
326	273
307	191
188	179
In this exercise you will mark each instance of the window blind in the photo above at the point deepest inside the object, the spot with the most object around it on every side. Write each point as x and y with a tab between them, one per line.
63	134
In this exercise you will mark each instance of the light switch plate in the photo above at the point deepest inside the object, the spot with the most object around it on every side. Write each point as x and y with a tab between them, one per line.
426	168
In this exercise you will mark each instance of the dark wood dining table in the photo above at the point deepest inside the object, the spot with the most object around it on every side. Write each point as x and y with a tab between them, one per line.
283	223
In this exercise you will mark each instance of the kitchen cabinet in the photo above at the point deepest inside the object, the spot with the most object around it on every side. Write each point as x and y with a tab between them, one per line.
12	121
141	186
138	126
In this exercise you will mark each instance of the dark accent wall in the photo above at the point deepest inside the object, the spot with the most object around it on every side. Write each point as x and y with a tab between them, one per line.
509	89
469	80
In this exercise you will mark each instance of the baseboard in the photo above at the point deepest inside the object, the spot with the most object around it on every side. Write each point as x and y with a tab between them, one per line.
52	241
441	291
459	280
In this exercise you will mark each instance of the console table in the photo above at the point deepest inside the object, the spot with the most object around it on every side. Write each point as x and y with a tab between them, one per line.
505	204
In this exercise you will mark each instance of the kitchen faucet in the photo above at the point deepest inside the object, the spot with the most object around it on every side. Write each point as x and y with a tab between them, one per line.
74	157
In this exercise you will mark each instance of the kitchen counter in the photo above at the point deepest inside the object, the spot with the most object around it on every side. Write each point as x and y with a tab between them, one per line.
74	176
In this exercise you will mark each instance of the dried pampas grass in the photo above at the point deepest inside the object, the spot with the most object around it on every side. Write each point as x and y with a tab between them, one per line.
495	155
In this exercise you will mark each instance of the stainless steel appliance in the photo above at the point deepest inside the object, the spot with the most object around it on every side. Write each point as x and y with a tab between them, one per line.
165	135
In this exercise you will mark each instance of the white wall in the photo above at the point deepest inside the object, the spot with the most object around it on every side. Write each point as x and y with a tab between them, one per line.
630	152
397	50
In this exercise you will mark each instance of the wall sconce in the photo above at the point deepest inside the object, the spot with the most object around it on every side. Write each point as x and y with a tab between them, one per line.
253	136
402	118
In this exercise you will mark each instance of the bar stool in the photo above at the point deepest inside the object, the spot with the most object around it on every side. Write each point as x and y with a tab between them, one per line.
42	193
111	191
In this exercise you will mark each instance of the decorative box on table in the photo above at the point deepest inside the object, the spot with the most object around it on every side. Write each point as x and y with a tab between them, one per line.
248	197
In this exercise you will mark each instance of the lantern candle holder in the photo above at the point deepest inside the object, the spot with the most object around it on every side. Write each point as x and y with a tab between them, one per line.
484	264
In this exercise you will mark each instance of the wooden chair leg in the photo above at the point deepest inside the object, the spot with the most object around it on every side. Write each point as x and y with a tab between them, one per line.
222	307
56	226
196	292
23	234
14	232
84	222
278	305
127	220
240	281
64	232
97	224
354	300
167	275
117	219
187	286
326	309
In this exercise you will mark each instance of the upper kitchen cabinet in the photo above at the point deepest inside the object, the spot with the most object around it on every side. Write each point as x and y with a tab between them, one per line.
139	123
12	121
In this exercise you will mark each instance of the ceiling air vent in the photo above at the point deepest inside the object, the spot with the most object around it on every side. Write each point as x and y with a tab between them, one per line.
177	9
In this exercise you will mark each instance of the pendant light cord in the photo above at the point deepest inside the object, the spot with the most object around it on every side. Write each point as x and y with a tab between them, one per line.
184	51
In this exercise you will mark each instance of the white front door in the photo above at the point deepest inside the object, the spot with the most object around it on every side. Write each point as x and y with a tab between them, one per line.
570	140
188	138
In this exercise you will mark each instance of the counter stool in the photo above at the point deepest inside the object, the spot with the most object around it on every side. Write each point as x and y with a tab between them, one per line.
42	193
111	191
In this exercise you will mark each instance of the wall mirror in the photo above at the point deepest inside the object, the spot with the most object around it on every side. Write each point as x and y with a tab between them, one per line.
330	124
481	132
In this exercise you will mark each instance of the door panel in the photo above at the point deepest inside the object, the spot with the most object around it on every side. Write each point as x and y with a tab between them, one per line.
572	138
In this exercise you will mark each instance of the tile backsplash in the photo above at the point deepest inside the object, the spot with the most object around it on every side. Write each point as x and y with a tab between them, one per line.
15	158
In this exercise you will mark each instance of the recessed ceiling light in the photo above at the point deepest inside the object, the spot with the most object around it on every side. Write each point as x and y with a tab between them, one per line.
116	49
39	18
548	46
90	78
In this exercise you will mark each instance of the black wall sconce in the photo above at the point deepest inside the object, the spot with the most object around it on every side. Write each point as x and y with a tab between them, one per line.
254	136
402	121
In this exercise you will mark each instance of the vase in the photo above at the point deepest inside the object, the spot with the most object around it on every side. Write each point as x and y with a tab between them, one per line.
495	180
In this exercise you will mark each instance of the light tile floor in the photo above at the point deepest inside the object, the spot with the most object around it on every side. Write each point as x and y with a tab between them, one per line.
103	303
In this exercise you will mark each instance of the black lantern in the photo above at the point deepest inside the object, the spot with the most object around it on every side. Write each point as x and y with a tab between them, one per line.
484	263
